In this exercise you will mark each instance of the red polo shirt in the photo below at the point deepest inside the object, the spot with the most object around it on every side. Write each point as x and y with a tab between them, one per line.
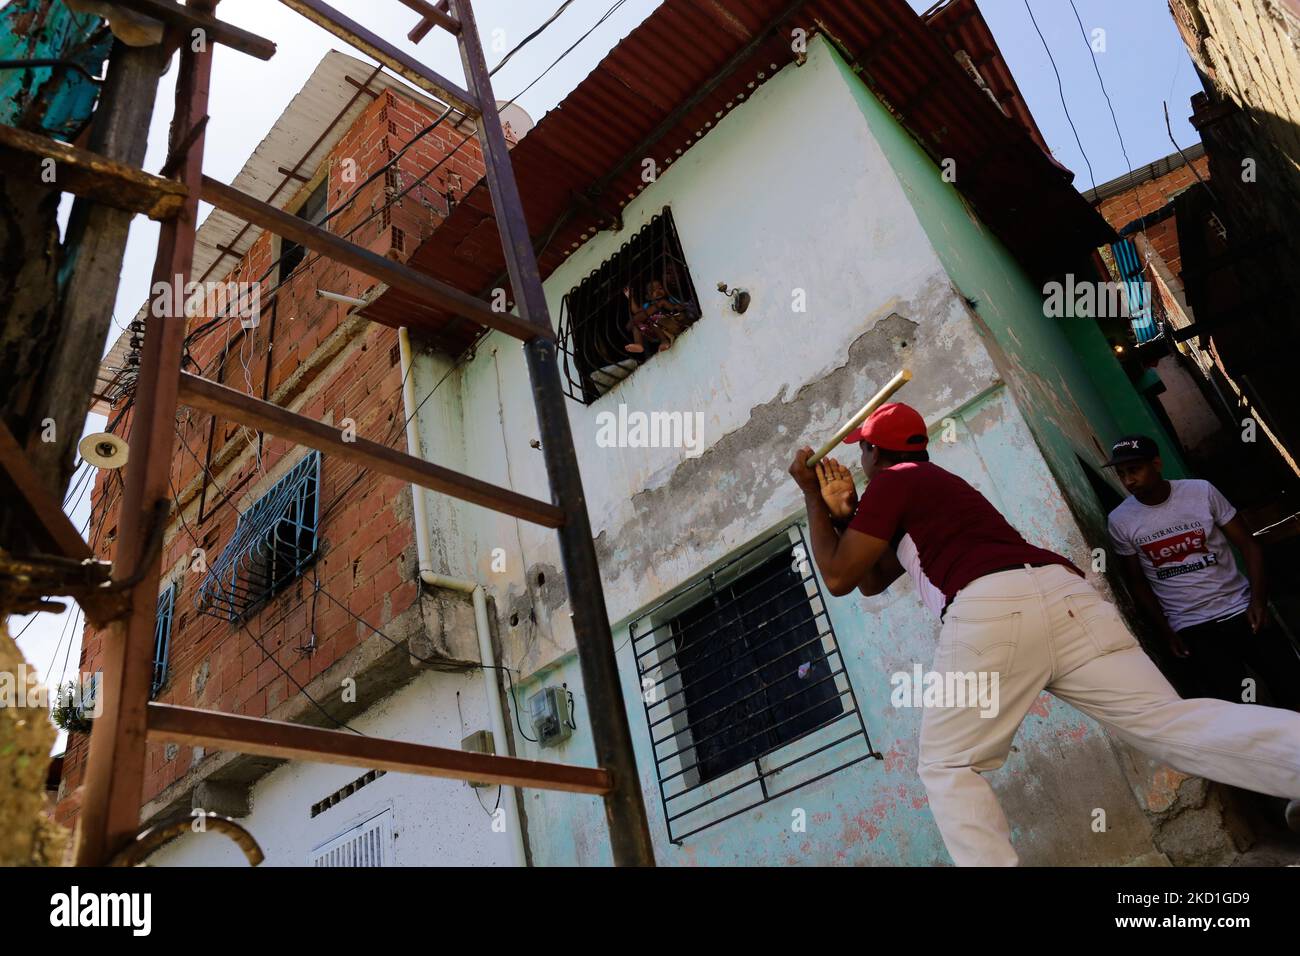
959	535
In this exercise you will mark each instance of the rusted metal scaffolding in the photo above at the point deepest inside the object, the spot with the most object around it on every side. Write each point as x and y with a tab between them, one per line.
110	813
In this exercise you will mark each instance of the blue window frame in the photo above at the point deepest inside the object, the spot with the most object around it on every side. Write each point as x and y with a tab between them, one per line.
162	638
274	541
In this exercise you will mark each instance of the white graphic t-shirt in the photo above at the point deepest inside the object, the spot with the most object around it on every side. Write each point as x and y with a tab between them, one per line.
910	559
1184	553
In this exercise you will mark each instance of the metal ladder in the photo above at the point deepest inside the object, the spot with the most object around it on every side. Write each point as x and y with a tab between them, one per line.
110	813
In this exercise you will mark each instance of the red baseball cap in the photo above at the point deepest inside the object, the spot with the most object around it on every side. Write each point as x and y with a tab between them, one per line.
895	426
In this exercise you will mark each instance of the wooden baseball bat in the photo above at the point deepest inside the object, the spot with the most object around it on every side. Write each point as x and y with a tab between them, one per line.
894	384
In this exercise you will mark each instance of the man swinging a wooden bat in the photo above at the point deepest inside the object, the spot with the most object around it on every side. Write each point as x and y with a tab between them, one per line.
1027	615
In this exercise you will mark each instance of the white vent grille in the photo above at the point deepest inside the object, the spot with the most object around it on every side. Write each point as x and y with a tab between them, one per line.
367	844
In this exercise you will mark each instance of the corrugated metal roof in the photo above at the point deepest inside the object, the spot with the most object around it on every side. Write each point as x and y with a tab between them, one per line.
963	29
1145	174
622	112
323	97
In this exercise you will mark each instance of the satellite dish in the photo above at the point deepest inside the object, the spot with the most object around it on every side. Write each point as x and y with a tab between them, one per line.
103	450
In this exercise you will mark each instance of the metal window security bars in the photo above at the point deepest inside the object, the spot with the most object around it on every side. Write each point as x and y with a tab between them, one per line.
274	541
744	686
114	786
162	638
366	844
594	315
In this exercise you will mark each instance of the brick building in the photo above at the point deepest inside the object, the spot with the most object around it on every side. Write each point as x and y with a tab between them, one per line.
1145	200
247	617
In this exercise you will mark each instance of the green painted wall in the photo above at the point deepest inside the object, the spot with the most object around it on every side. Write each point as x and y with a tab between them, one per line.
1131	412
1067	383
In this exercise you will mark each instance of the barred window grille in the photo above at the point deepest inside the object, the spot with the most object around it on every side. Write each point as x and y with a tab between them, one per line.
595	315
274	541
162	638
89	698
745	690
367	844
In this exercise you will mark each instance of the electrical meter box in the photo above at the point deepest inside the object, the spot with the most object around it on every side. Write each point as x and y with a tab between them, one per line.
549	711
479	742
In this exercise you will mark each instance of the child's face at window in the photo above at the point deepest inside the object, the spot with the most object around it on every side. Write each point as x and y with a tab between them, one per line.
657	290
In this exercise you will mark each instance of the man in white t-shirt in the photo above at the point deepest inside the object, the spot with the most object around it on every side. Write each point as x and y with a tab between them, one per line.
1173	540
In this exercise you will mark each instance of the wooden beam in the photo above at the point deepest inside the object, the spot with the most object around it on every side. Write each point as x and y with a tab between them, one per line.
83	173
396	274
276	738
95	238
189	19
50	521
403	64
234	406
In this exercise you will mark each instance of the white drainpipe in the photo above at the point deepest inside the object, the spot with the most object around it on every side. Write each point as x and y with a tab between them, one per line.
420	515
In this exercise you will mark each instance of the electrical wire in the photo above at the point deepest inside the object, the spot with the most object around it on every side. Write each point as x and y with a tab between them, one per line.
267	655
318	587
49	669
1114	121
72	639
532	36
303	267
396	643
1061	88
19	635
461	717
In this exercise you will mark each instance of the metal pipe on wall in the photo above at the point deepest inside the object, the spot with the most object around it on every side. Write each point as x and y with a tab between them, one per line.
487	656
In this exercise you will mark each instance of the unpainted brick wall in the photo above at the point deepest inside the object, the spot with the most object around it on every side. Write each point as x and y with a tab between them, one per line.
1145	198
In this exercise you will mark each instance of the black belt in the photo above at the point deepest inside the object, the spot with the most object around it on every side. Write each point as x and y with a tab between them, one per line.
1010	567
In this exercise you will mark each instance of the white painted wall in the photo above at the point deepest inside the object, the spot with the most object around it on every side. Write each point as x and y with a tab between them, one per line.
789	191
436	822
1198	427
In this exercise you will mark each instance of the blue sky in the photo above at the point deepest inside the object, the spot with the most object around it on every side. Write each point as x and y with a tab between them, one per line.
1144	63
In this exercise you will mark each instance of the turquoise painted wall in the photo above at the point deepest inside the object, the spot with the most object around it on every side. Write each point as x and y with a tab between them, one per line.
875	812
1046	359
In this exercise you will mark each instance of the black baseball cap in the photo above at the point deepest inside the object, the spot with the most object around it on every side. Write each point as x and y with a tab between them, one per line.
1133	448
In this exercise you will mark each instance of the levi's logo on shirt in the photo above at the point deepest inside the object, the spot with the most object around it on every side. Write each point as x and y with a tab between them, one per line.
1175	547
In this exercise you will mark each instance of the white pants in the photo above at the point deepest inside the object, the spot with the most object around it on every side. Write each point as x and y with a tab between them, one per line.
1047	628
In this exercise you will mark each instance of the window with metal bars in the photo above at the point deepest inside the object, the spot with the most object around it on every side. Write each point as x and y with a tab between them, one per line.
367	844
745	690
162	638
595	326
274	541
